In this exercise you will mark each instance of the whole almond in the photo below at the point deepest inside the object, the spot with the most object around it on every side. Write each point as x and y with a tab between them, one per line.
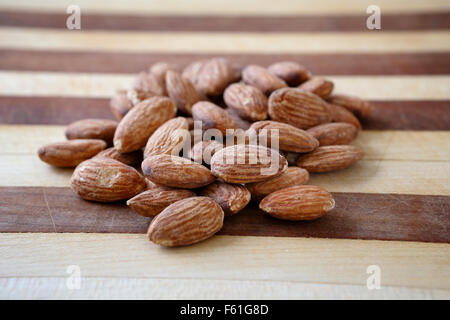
202	151
330	158
106	180
262	79
138	125
177	172
291	72
319	86
231	197
147	81
298	108
249	102
182	91
341	114
70	153
132	159
334	133
102	129
169	138
124	100
356	105
247	163
290	138
293	176
212	116
151	202
298	203
185	222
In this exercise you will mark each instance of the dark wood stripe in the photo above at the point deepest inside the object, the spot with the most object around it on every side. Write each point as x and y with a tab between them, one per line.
356	216
387	115
241	23
319	64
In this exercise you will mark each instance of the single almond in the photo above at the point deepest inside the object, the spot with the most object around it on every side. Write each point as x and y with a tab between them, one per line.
330	158
231	197
202	151
132	159
290	138
102	129
262	79
159	70
186	222
334	133
359	107
147	81
151	202
177	172
298	108
212	116
341	114
291	72
70	153
138	125
298	203
247	163
319	86
124	100
181	91
249	102
293	176
106	180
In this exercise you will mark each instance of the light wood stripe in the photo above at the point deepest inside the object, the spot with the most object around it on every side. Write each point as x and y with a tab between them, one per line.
323	261
232	7
223	42
100	85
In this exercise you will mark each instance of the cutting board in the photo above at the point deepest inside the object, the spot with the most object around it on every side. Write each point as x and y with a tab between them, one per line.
392	217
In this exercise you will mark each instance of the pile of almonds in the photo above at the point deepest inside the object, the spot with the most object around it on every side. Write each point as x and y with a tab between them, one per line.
190	180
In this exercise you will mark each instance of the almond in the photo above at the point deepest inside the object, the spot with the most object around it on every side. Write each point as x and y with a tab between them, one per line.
298	203
212	116
330	158
334	133
341	114
319	86
132	159
291	72
177	172
290	138
169	138
249	102
102	129
204	150
147	81
293	176
151	202
247	163
298	108
159	70
231	197
70	153
262	79
241	123
124	100
181	91
356	105
106	180
138	125
185	222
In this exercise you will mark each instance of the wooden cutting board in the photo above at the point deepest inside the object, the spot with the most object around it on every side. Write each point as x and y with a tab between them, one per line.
392	208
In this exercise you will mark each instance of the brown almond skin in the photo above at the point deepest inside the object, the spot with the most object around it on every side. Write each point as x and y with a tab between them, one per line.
291	72
147	81
334	133
212	116
168	138
249	102
70	153
330	158
293	176
341	114
132	159
106	180
262	79
124	100
102	129
181	91
298	108
202	151
151	202
231	197
290	138
140	122
186	222
298	203
357	106
176	172
159	70
241	123
247	163
319	86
